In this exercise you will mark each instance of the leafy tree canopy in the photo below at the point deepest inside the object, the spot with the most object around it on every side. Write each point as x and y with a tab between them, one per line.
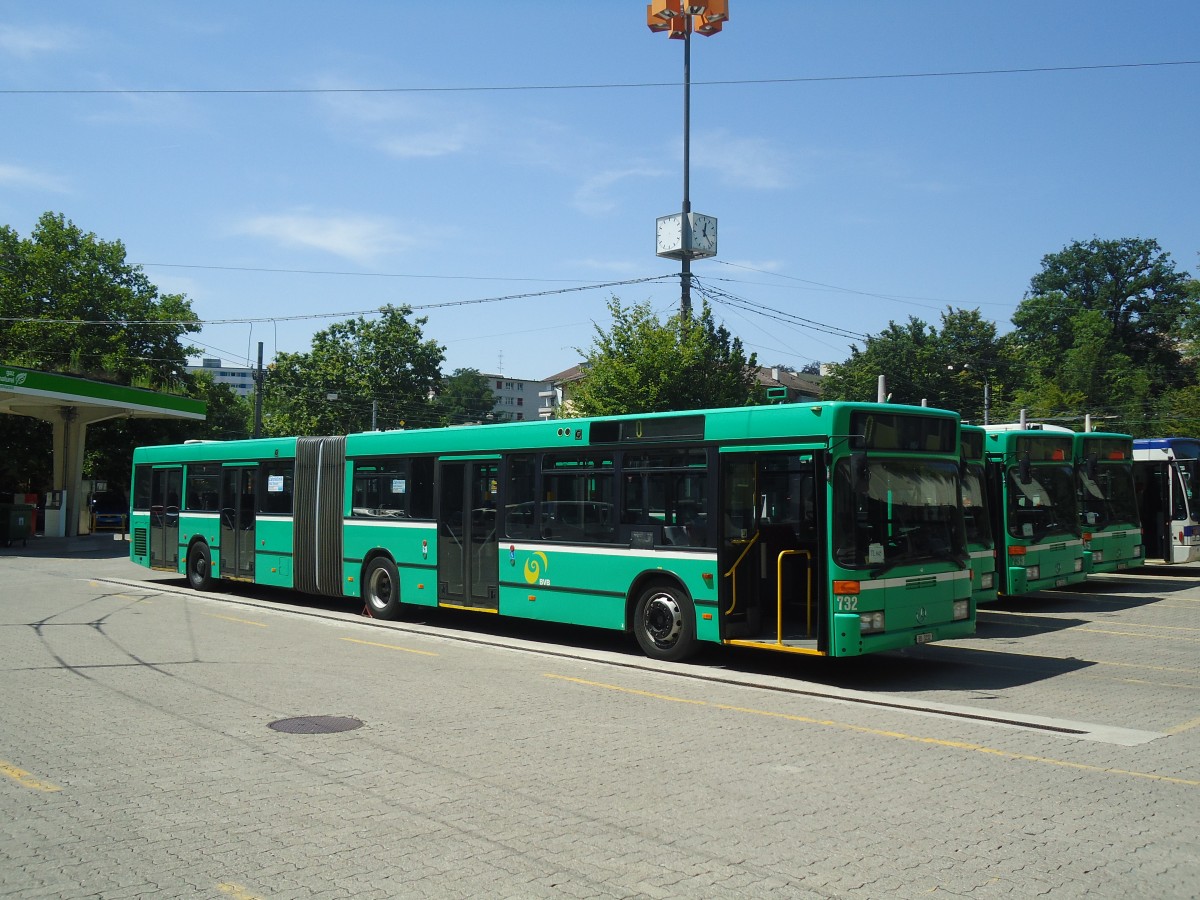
466	396
644	365
946	367
1104	320
69	302
356	367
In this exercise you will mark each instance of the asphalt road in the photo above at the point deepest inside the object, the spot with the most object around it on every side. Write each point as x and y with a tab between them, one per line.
1056	752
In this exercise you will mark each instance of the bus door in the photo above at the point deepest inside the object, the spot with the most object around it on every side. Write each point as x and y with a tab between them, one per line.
771	509
238	521
166	491
468	547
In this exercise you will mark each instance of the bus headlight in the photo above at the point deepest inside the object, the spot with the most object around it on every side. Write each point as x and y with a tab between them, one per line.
987	580
870	623
1097	556
1033	573
1079	564
962	609
1137	551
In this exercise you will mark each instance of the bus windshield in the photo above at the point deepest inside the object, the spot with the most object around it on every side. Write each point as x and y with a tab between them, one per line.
1107	496
897	511
1042	503
974	507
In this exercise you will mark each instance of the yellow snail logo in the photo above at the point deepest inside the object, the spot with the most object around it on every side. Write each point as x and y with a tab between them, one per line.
533	568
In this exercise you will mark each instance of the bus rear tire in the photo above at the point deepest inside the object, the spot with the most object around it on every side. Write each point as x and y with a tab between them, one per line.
664	623
199	567
381	588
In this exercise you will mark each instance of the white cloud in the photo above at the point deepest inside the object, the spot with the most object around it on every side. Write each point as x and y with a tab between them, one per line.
26	43
21	178
747	162
400	125
361	239
425	145
595	194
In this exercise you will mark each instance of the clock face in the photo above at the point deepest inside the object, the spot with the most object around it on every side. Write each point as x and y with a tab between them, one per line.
670	233
704	233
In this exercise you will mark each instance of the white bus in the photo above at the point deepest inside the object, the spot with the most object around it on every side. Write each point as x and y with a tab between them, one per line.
1165	472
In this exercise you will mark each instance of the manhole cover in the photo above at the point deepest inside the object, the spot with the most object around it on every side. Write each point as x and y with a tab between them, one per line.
316	724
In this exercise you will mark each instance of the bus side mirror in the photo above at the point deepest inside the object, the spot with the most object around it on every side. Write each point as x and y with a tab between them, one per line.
860	473
1025	470
1093	467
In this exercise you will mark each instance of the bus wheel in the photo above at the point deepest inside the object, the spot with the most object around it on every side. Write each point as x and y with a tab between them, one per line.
199	567
381	588
665	624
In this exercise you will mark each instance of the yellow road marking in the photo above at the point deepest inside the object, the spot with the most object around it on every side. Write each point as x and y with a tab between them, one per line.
232	619
1155	637
897	735
236	891
389	647
23	778
1186	726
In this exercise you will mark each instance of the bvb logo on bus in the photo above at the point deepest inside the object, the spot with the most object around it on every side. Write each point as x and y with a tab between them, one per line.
534	568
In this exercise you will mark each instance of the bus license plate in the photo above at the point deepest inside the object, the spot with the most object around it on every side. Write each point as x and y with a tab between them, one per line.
924	637
1122	565
1060	582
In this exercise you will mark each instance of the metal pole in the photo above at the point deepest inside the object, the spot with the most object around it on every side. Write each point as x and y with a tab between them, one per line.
685	275
987	400
258	393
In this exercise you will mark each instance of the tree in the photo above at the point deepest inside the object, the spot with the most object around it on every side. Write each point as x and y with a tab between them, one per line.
948	367
466	396
354	368
644	365
1104	321
69	302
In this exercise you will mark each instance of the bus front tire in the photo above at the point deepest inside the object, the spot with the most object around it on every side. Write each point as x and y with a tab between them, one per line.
664	623
381	588
199	567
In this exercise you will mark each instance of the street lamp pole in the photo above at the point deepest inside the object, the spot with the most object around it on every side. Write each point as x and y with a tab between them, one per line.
685	273
692	237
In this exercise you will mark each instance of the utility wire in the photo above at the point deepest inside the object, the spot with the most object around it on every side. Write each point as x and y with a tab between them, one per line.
806	79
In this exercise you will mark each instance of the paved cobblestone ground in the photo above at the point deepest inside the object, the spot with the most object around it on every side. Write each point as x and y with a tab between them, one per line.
136	757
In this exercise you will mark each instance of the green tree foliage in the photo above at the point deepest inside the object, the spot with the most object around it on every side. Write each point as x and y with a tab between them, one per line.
465	396
385	361
644	365
69	302
1103	327
946	367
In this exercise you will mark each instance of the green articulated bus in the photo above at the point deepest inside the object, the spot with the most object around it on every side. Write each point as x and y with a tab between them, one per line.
830	529
1108	502
1034	509
981	545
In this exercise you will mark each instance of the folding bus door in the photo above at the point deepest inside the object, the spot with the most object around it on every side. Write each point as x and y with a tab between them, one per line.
166	491
238	520
771	546
468	548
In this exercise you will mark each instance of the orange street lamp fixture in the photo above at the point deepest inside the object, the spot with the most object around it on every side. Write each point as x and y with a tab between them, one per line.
686	235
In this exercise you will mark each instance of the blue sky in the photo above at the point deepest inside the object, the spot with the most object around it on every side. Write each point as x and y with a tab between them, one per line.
495	165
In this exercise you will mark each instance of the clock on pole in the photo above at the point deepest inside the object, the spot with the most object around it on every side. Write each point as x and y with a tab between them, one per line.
690	236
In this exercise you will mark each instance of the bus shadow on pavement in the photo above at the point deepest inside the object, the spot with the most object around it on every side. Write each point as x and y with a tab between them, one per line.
934	667
941	668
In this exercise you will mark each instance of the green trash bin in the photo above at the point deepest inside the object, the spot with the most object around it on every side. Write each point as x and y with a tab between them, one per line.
16	523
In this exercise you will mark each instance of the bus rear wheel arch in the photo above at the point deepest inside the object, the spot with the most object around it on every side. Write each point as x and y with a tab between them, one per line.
664	622
381	588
